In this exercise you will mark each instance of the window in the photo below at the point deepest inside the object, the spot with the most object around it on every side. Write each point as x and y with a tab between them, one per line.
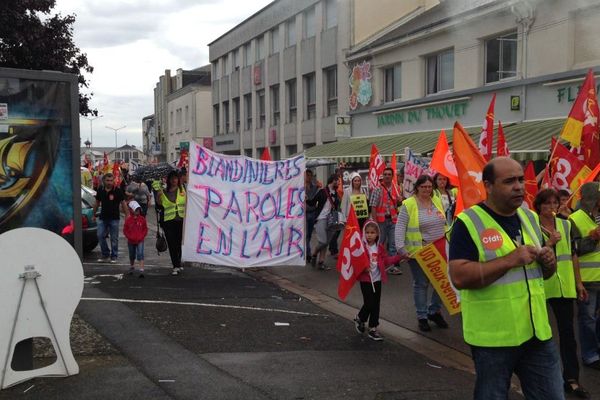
501	58
291	100
331	90
309	89
274	41
117	155
247	55
260	48
216	119
236	113
172	122
290	37
291	150
226	116
178	120
248	111
330	13
215	70
309	23
235	55
275	105
187	118
440	72
225	63
392	81
261	108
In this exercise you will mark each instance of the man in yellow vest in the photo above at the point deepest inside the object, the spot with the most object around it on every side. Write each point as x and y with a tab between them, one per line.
498	261
586	234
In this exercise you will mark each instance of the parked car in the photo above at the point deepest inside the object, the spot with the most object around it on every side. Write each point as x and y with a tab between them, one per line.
88	224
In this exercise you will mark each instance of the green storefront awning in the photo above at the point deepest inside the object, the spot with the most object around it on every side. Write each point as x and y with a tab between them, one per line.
526	141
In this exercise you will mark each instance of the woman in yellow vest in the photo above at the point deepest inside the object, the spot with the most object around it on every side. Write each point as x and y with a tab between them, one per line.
443	189
356	196
173	202
564	286
421	221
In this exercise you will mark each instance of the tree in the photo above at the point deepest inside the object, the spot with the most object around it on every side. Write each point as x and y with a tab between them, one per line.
32	38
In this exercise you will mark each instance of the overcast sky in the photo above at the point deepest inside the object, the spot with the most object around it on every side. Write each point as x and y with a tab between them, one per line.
131	42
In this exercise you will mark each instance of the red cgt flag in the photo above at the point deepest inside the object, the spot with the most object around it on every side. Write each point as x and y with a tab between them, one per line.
531	187
487	132
442	161
353	259
394	166
501	146
582	123
183	159
376	167
567	169
266	155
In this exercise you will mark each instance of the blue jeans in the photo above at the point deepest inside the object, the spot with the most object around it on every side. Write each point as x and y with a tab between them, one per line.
589	337
387	233
534	362
112	227
420	286
136	251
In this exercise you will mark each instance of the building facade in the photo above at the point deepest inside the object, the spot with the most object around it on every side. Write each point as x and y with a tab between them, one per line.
166	85
275	78
443	62
150	145
190	118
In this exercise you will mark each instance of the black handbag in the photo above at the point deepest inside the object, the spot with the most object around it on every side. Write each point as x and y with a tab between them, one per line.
335	219
161	241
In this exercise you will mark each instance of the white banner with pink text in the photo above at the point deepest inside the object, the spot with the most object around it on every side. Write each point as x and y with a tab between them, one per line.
243	212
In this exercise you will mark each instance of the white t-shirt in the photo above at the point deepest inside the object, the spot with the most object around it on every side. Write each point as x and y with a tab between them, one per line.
374	268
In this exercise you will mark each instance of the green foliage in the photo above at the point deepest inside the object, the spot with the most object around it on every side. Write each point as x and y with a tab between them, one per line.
32	38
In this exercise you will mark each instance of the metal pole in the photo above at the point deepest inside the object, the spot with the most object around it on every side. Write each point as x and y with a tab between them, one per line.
116	130
91	119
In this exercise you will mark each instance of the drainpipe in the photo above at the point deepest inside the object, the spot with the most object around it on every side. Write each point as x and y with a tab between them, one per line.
524	10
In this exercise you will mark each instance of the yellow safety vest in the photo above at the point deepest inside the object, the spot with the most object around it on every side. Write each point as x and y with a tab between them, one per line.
562	283
511	310
172	209
589	263
413	241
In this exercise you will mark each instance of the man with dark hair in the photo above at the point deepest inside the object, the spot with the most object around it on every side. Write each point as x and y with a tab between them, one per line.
112	200
384	210
310	190
498	261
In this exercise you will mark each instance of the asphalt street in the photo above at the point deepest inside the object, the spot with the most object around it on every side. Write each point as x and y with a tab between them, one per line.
220	333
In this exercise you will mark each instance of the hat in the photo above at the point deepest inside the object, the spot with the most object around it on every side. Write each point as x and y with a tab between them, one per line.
134	205
354	175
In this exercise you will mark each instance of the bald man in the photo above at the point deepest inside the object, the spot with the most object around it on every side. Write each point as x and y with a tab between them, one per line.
498	261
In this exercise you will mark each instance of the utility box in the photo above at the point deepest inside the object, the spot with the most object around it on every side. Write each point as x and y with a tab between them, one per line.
39	153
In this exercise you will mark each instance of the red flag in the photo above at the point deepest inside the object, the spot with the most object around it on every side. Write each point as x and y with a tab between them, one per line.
501	146
183	159
116	171
583	120
442	160
266	155
353	259
531	187
487	132
567	169
376	167
469	166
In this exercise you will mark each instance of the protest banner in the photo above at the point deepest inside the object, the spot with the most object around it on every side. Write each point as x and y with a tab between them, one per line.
244	212
414	166
376	167
433	261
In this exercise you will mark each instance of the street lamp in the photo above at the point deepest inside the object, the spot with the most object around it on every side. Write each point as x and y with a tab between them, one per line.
116	130
91	119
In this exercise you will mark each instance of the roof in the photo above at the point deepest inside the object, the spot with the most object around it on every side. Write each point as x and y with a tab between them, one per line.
528	140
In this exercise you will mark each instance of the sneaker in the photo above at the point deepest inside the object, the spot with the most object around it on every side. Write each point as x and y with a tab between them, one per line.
359	325
113	260
323	267
393	270
438	320
374	335
424	325
594	365
141	274
103	260
313	261
175	272
573	388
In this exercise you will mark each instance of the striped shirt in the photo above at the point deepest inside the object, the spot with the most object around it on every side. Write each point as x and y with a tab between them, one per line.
431	226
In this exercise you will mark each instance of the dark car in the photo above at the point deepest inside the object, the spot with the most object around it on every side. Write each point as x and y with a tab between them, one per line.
88	224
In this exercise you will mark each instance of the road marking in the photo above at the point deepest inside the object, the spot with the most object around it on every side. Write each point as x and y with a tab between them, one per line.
118	264
184	303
